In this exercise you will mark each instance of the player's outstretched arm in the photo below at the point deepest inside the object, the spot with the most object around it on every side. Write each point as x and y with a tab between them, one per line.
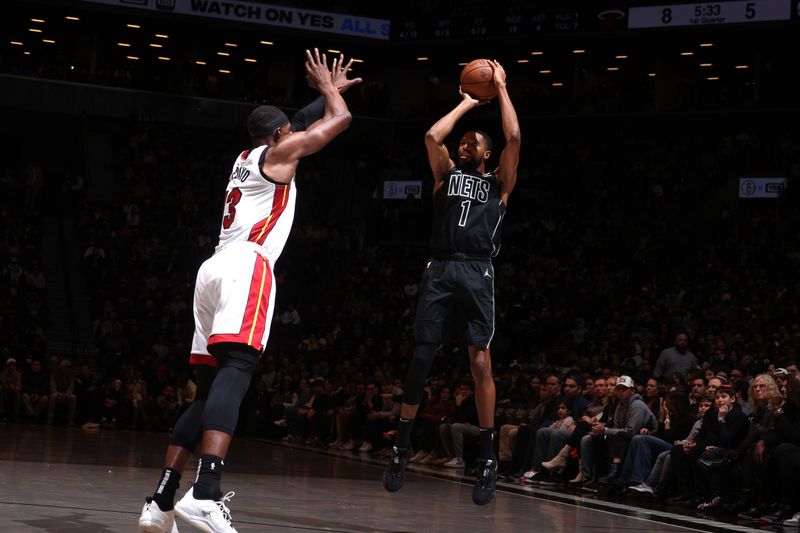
305	118
509	158
438	157
335	120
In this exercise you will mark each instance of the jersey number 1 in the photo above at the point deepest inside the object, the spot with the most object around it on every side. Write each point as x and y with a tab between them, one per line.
233	198
465	205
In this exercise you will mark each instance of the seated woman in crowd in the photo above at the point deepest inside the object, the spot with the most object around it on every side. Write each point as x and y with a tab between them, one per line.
660	477
764	399
676	423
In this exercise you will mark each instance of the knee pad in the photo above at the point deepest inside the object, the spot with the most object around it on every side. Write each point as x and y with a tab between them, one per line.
235	365
189	428
418	371
204	375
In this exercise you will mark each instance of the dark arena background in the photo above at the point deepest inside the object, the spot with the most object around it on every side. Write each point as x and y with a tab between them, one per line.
655	219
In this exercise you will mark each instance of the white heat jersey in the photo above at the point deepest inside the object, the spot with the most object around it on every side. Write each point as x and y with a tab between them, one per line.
257	209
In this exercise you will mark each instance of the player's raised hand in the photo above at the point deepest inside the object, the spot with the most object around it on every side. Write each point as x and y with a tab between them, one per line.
339	72
317	72
499	76
474	102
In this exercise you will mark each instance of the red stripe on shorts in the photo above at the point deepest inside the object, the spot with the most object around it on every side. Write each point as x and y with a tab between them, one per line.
202	359
255	314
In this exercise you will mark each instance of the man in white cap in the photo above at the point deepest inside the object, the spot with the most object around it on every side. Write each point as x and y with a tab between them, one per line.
630	416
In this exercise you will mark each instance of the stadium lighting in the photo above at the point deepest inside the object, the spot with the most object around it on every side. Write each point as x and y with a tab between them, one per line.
39	21
133	26
26	53
124	45
224	54
332	51
579	51
545	71
651	74
162	36
16	43
712	78
706	65
742	67
361	61
199	62
706	45
523	60
687	53
537	53
223	71
463	64
156	45
557	84
132	58
270	43
231	45
250	60
68	17
612	69
422	59
35	30
163	58
48	41
621	57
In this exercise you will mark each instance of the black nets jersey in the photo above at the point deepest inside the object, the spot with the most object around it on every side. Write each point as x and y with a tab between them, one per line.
467	214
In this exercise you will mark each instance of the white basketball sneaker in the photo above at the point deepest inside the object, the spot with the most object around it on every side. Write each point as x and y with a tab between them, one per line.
206	515
154	520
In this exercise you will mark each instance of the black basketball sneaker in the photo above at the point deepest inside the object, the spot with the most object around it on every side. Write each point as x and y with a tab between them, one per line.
484	489
395	475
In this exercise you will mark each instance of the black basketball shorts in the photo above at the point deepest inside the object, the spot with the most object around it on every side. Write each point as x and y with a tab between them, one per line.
452	289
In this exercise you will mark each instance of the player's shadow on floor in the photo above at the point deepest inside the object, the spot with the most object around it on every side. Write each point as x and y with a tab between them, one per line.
73	522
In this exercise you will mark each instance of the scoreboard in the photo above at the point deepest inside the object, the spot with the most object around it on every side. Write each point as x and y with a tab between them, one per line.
668	16
530	21
491	25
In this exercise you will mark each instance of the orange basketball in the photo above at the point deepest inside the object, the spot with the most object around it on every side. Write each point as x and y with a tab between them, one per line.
476	80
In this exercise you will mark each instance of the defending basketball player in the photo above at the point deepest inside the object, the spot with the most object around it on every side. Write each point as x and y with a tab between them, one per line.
234	298
469	204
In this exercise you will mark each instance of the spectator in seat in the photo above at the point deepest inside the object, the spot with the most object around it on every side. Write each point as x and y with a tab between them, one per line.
437	409
645	448
35	390
697	393
701	460
772	452
10	390
62	392
660	478
88	396
464	423
551	439
630	417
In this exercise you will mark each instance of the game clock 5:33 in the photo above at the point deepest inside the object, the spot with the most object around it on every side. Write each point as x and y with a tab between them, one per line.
699	14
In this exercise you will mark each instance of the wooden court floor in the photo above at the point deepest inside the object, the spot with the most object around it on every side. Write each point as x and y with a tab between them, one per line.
68	480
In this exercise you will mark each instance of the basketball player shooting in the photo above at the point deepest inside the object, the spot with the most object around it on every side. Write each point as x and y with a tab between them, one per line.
234	297
469	204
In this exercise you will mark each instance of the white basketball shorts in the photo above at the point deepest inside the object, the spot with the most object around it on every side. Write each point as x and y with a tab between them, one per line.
234	299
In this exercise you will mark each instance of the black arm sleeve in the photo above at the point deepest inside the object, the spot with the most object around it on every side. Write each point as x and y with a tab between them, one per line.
308	115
